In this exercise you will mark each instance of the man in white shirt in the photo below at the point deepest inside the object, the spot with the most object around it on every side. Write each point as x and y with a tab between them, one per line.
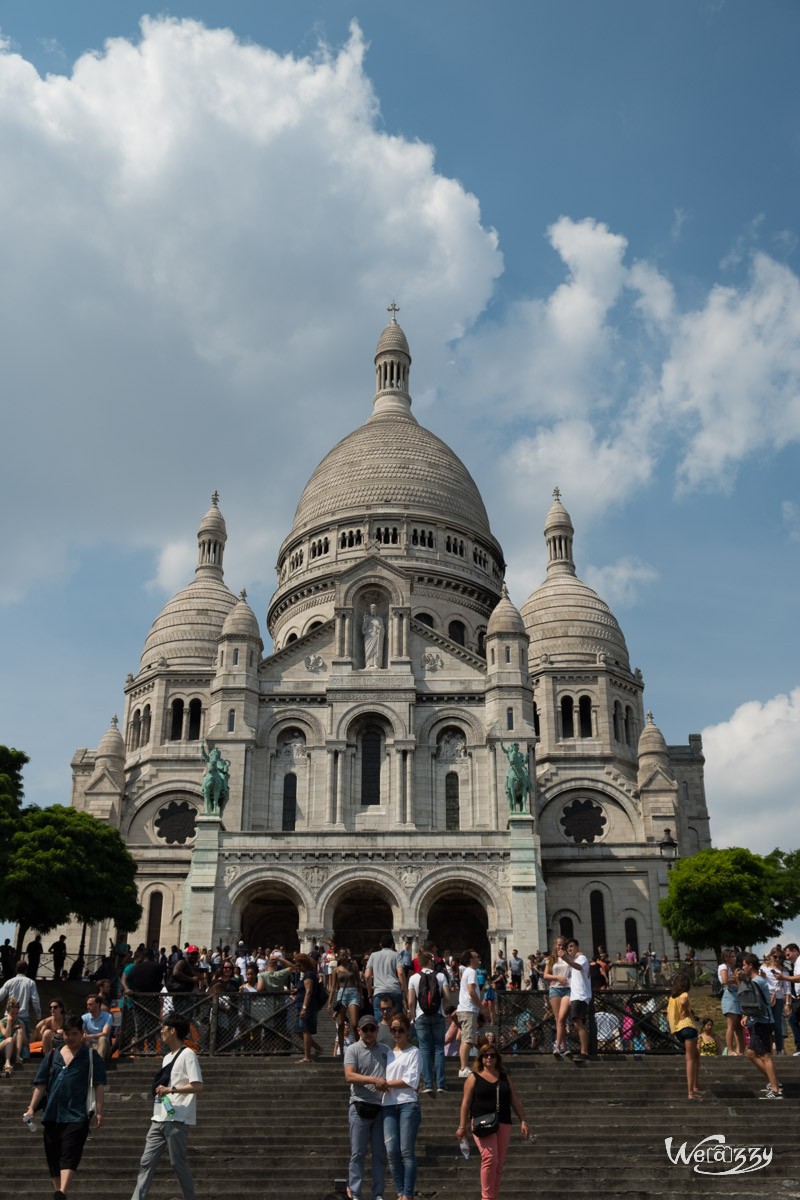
426	1002
23	989
469	1005
580	993
168	1129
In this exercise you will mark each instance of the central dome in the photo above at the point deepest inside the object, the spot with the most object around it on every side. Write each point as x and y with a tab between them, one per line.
391	461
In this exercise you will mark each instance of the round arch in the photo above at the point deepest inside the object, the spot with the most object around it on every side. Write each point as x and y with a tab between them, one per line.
269	911
433	725
375	579
139	824
364	710
381	886
477	887
308	722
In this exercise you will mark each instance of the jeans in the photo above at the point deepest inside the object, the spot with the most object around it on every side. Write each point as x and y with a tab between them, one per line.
794	1025
171	1134
493	1154
400	1125
395	997
777	1028
362	1134
430	1035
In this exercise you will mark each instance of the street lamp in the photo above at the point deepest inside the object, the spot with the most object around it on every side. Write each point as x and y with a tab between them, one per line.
669	852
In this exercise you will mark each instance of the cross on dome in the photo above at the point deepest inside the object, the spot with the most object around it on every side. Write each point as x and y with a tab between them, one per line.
394	310
215	498
556	493
243	594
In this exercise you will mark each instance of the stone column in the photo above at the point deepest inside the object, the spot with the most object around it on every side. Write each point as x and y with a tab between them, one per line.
348	635
494	813
330	789
398	785
410	814
339	787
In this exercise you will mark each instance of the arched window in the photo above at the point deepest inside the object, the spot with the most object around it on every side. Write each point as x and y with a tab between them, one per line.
154	911
314	625
536	729
145	736
567	722
492	655
176	725
451	807
617	721
457	632
371	767
289	818
628	725
585	716
236	658
598	915
291	638
135	730
509	718
195	712
482	643
565	927
631	934
425	618
508	654
231	720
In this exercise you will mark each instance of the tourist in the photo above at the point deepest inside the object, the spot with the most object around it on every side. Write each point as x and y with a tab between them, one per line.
65	1081
734	1036
792	953
23	989
401	1113
452	1037
365	1071
469	1007
681	1024
710	1043
489	1089
779	992
12	1036
385	976
516	966
344	995
556	974
307	1001
385	1027
428	994
756	1010
51	1029
97	1027
580	993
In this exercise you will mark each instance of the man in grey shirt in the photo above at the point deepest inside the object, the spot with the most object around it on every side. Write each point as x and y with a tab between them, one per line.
385	976
365	1071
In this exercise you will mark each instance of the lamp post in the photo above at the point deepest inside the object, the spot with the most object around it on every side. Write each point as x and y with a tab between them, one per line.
668	848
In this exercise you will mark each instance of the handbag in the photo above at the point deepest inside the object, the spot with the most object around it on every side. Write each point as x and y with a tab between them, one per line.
163	1076
367	1112
91	1100
489	1123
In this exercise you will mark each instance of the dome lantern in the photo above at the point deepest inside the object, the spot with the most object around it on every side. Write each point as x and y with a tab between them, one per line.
211	538
558	532
392	365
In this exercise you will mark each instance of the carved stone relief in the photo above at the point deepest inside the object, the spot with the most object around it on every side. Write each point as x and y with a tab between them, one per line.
431	661
315	663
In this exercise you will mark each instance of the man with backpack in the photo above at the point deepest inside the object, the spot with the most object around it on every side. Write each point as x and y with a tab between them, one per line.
756	1006
428	994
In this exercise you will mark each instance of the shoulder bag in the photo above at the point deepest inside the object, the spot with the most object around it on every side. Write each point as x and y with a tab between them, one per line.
489	1123
91	1101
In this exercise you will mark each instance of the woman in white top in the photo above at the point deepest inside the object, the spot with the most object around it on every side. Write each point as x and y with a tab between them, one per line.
556	975
779	992
726	973
401	1115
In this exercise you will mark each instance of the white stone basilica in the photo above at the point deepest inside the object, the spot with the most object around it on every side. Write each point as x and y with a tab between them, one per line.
367	753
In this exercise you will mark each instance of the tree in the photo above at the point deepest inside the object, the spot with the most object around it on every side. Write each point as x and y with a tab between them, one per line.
731	897
63	863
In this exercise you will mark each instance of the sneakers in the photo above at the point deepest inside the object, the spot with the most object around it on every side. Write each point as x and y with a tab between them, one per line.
767	1089
557	1055
770	1095
581	1058
464	1073
427	1091
568	1054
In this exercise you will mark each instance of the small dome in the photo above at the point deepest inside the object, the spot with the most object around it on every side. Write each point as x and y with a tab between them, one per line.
241	620
187	629
505	618
568	621
112	744
651	740
557	517
392	339
213	522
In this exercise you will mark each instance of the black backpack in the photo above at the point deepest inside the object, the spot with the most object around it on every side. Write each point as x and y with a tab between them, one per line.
429	993
752	1002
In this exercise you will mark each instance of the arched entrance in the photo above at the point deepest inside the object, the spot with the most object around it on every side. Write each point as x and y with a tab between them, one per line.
271	919
360	917
458	922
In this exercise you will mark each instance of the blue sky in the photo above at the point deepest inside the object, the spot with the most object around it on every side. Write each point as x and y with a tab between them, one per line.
588	216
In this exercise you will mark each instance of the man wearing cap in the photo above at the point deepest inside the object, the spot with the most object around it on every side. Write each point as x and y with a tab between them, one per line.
365	1071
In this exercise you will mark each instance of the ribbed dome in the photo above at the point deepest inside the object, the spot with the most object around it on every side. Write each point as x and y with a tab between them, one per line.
651	740
241	620
391	462
186	630
392	338
111	743
505	618
567	620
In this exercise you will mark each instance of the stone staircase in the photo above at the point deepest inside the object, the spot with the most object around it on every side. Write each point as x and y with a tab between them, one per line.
269	1127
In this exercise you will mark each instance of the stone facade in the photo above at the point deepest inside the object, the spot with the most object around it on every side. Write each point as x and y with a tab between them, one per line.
368	751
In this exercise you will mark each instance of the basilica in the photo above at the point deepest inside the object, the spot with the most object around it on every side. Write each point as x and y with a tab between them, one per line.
370	757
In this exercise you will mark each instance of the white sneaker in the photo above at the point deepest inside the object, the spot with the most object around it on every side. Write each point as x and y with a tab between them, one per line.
464	1073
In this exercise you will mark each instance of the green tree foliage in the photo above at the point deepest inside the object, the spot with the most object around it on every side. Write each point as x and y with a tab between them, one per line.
63	863
11	764
731	897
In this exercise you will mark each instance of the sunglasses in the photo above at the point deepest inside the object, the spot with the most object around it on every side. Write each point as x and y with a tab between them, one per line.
489	1056
369	1028
397	1029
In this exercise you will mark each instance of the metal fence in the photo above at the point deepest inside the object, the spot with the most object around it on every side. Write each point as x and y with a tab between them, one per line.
620	1022
243	1024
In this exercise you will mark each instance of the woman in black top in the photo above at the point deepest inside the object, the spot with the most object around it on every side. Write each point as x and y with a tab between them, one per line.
480	1098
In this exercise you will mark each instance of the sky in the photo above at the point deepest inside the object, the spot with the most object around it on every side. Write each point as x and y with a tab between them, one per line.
588	215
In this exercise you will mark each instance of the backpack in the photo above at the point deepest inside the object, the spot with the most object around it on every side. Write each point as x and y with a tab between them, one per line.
429	993
752	1002
716	986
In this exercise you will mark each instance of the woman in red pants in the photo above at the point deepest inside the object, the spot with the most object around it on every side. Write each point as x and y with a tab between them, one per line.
489	1089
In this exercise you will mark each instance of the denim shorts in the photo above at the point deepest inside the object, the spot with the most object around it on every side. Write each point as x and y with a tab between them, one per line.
346	996
557	992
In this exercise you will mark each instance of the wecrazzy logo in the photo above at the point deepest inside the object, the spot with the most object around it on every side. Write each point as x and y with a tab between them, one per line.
712	1156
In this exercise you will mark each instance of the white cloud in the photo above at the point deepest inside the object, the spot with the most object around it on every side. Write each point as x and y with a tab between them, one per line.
176	561
620	583
679	219
790	511
199	239
752	773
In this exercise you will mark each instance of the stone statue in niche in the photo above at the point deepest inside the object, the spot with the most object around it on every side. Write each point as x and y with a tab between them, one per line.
518	781
293	751
452	747
373	631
